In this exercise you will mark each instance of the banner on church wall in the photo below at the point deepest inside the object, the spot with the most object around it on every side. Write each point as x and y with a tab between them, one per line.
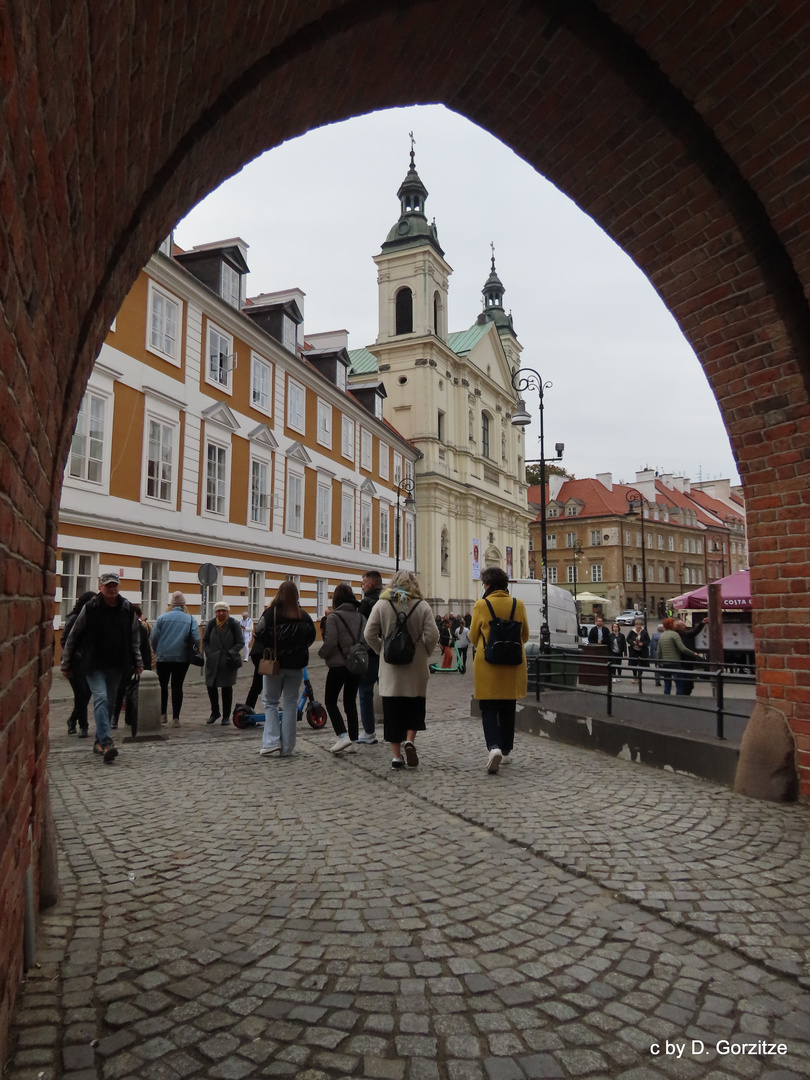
509	573
476	559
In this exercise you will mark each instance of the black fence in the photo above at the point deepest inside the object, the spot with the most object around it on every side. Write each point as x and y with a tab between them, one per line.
568	670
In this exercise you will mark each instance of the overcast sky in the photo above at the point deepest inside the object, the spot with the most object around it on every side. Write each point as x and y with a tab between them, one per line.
628	391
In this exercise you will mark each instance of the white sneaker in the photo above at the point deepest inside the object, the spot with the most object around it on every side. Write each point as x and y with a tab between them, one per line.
351	748
164	718
267	750
494	760
368	739
506	760
343	742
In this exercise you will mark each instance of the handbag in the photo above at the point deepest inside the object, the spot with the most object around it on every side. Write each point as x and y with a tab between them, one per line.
193	655
269	665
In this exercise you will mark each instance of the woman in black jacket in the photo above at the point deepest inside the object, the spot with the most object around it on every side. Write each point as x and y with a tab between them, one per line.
288	631
638	647
618	649
344	627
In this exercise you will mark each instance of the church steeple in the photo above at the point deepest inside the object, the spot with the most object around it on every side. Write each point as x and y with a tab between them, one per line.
412	227
492	292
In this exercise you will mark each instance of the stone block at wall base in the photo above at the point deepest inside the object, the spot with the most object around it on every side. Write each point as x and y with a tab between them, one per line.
767	766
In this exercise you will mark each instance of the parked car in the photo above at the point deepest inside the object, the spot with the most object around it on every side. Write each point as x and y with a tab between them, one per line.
627	618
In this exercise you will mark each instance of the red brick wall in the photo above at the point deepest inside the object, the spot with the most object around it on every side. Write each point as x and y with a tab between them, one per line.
681	127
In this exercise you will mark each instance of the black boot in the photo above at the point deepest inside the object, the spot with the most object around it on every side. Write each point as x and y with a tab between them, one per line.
71	727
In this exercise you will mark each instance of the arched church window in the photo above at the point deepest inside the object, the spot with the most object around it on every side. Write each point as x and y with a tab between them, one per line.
485	434
445	552
404	311
436	314
471	425
503	445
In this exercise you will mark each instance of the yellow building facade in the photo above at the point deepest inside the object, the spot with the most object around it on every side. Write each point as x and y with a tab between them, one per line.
213	431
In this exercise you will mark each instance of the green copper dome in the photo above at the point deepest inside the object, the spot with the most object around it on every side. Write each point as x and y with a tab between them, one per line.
412	226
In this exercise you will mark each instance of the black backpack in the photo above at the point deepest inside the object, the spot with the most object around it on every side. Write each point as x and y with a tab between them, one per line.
505	646
398	646
356	659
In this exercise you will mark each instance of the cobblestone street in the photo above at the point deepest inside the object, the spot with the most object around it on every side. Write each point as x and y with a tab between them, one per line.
227	916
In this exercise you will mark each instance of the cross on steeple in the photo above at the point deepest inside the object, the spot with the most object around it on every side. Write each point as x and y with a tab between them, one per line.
413	143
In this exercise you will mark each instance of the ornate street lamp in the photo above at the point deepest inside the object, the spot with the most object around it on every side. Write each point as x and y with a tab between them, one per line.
634	497
578	553
523	380
406	484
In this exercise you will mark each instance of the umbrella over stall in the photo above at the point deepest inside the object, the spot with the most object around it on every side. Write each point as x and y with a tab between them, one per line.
735	590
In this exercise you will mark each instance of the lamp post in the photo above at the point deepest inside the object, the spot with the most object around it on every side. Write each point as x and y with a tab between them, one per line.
634	497
578	553
406	484
523	380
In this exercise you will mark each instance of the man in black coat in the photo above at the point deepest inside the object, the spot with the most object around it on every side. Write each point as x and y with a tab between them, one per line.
372	587
599	634
107	633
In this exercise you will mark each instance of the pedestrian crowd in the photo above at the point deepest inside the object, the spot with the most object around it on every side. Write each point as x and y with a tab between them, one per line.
385	637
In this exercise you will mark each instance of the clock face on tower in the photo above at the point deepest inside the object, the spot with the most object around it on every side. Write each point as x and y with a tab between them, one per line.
403	227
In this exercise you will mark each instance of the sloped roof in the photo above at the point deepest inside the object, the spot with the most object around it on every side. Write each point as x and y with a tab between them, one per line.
363	362
599	501
715	506
464	341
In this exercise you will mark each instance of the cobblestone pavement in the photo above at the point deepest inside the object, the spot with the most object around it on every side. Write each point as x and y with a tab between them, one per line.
227	916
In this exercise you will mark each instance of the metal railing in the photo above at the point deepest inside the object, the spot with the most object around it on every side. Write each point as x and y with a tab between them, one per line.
548	667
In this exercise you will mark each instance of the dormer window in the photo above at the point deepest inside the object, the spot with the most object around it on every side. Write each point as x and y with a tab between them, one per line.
290	334
340	376
231	286
378	406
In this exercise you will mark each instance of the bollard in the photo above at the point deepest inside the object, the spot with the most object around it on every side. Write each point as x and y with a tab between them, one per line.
149	726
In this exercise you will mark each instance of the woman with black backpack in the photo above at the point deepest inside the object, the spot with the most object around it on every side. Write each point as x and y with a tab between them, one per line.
284	633
498	632
402	629
344	650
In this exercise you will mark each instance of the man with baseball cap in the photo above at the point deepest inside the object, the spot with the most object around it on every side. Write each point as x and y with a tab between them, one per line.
105	644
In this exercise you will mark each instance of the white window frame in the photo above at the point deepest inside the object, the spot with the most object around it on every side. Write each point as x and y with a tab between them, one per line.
570	539
385	460
385	529
228	278
101	477
552	575
321	597
170	347
596	538
340	376
259	364
347	430
76	566
671	543
378	406
294	510
551	541
596	571
571	510
324	423
323	512
225	448
366	450
347	502
154	587
255	594
572	574
173	428
259	496
289	334
365	524
410	534
296	406
397	468
225	362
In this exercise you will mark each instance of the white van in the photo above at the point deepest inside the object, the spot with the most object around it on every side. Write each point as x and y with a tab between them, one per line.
562	612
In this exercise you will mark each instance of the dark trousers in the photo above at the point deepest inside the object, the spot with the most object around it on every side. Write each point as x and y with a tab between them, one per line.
366	693
256	687
463	654
81	699
498	720
227	700
176	672
337	679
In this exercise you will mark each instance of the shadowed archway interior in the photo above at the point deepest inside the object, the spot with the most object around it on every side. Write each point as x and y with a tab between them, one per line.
680	128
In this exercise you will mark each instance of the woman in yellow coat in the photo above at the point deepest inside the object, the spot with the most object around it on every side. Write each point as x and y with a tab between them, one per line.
497	686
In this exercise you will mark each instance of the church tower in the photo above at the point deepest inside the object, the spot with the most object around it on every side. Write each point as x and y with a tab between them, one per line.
412	271
451	395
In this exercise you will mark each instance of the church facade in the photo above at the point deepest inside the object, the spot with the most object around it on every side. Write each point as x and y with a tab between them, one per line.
451	396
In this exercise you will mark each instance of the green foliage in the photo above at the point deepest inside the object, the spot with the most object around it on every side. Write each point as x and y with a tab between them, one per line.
533	473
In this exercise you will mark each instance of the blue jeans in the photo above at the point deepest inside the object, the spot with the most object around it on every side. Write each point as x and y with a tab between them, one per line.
282	687
104	688
668	669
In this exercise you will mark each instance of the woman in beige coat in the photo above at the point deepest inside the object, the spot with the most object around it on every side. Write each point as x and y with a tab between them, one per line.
403	687
497	686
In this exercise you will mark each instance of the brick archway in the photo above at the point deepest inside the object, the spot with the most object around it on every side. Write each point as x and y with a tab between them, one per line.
682	133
